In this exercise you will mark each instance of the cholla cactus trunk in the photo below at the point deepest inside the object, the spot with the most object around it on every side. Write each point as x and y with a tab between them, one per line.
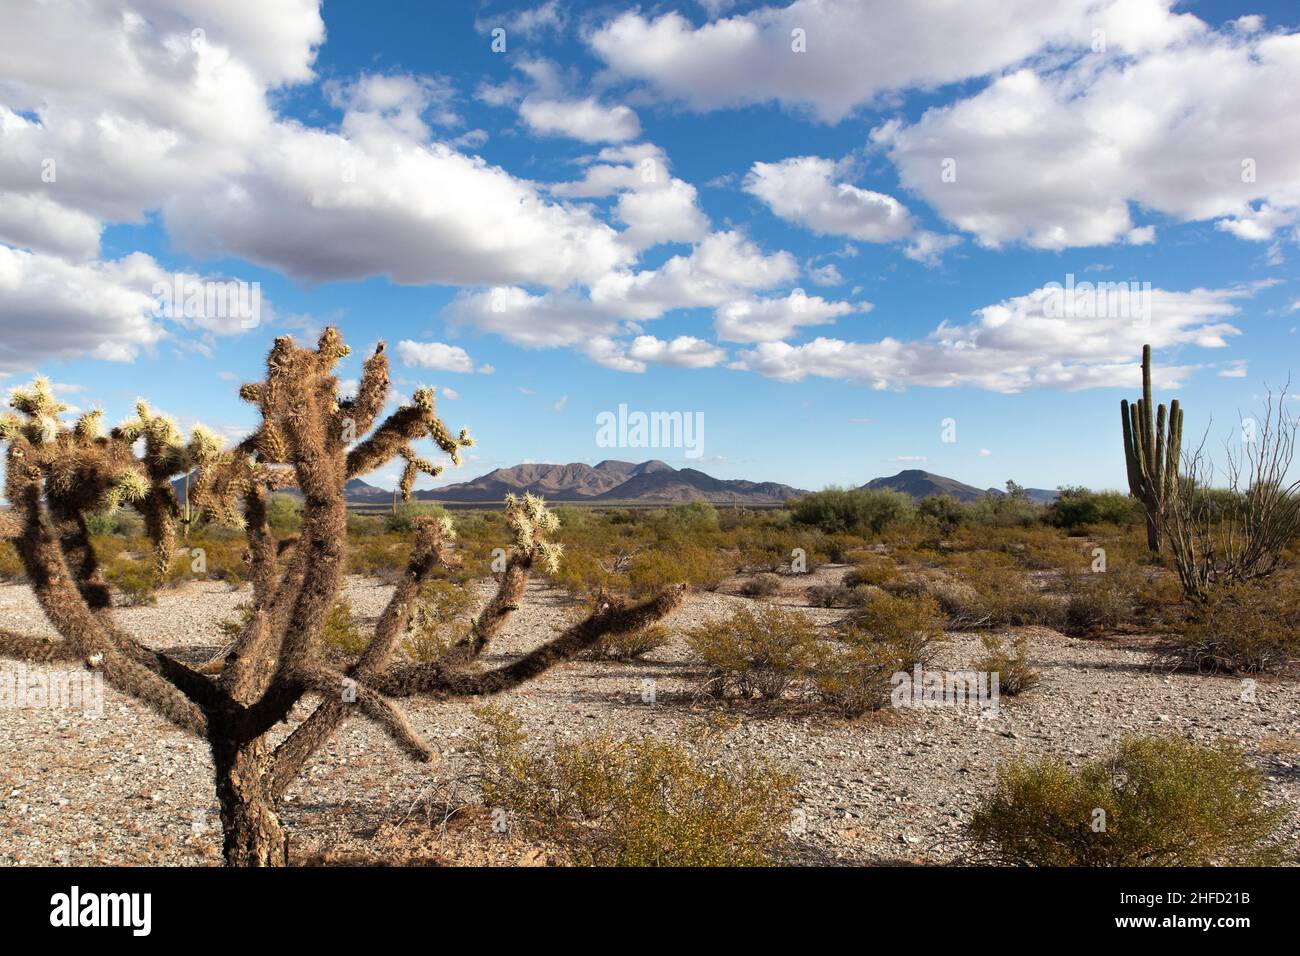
1152	449
55	475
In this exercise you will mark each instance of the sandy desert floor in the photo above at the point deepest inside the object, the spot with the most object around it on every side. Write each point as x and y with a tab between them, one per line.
127	788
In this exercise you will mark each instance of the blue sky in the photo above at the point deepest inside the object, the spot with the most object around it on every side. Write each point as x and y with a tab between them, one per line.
381	167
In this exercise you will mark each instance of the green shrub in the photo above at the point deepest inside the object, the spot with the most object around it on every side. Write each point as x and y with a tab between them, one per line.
1078	508
1011	664
1247	628
702	568
101	523
945	510
283	513
1003	511
630	645
853	511
886	636
340	634
134	580
401	520
611	801
755	653
1156	802
438	621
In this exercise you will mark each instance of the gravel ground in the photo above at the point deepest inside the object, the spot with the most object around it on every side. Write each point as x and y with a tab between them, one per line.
126	788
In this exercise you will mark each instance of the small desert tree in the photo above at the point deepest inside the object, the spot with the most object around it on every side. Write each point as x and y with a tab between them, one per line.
56	475
1238	532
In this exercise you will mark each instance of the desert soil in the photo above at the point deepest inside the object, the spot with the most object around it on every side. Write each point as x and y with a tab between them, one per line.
127	788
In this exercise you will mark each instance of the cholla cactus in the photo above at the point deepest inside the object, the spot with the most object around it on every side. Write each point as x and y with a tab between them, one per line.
531	522
40	410
239	700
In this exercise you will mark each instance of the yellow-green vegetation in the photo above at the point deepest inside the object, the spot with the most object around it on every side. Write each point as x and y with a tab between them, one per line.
631	645
341	633
440	619
618	801
1155	802
134	580
1010	662
886	636
755	653
768	652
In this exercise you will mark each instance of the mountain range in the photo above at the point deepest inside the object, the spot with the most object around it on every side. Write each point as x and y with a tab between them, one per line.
650	482
654	482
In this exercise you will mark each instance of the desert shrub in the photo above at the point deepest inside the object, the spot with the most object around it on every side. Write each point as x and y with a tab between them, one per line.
636	802
1006	598
1124	594
401	519
755	653
1003	511
699	567
583	572
1079	508
875	571
340	634
361	525
1011	664
761	585
438	620
853	511
692	518
101	523
832	595
283	513
945	510
1166	802
1247	628
630	645
836	547
222	558
134	580
886	636
232	627
384	555
11	566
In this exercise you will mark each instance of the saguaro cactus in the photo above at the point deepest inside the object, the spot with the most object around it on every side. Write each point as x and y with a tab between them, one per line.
1152	446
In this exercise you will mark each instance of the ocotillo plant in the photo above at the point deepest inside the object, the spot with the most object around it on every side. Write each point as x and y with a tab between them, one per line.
1152	446
56	474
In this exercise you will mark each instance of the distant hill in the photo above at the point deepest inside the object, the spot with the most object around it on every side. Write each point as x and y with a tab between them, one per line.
922	484
609	481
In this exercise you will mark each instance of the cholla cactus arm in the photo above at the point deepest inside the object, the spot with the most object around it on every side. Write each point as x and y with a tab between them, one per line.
37	650
614	616
371	395
409	423
291	756
531	523
146	675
